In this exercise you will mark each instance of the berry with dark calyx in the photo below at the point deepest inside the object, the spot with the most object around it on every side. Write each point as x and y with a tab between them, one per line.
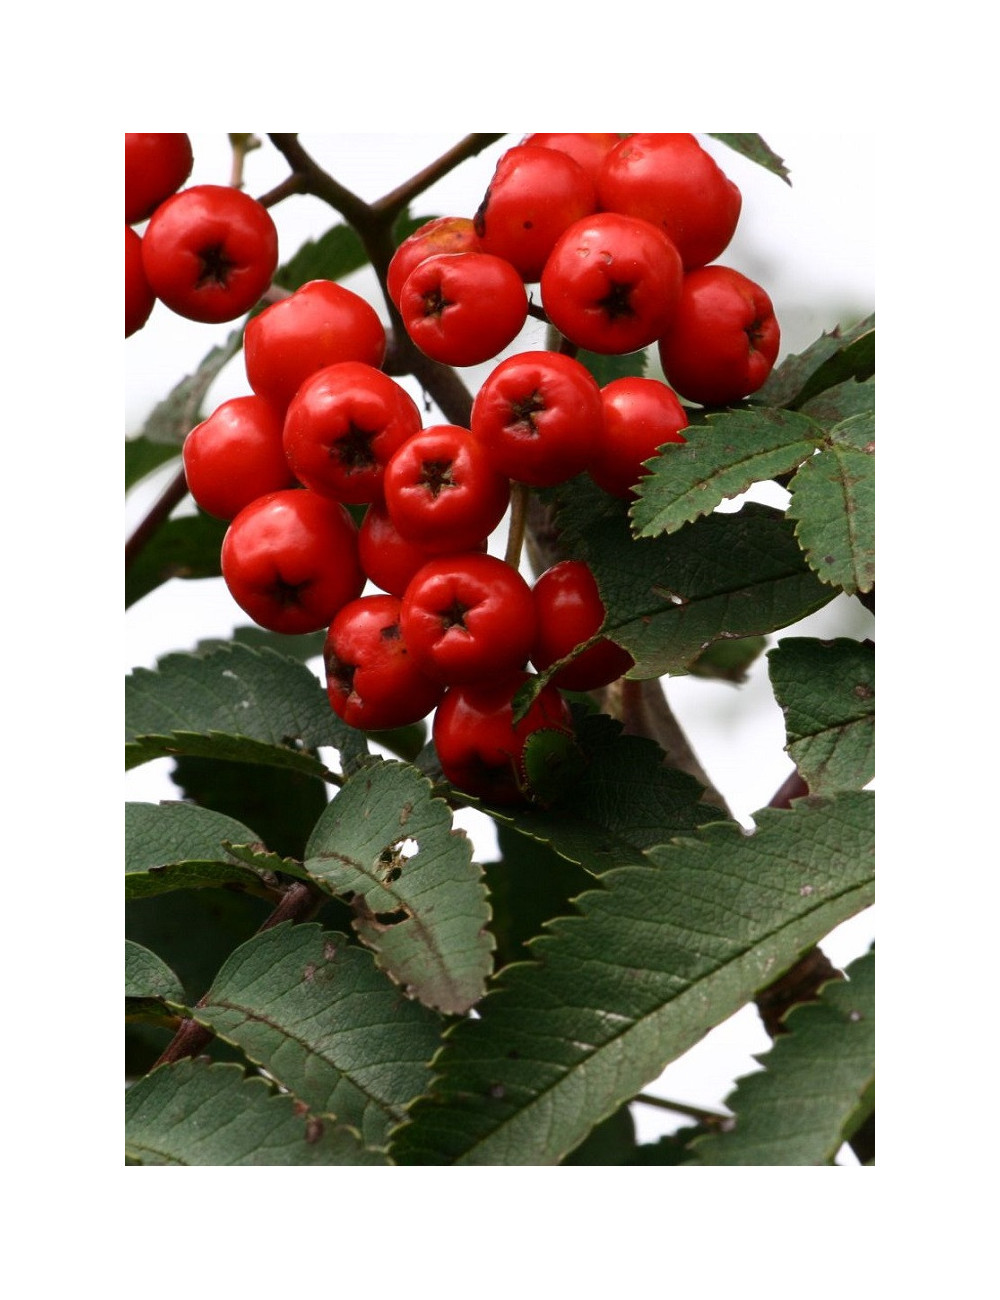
372	680
342	426
290	560
468	617
210	252
612	283
461	309
389	559
442	490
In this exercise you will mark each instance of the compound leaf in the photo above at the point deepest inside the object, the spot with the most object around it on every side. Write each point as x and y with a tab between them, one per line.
420	900
252	706
172	846
658	956
833	502
193	1113
826	690
817	1086
721	458
667	598
311	1009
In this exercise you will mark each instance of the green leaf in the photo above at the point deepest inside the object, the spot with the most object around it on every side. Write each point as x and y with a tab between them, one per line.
625	800
191	1113
172	846
311	1009
251	706
826	690
838	403
668	598
304	646
721	458
153	993
817	1086
671	1149
827	361
173	419
606	368
661	954
333	255
420	899
185	547
753	147
283	805
728	661
833	502
612	1142
143	456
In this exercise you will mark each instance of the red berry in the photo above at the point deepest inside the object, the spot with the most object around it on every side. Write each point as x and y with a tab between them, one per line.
468	617
236	456
570	611
139	297
640	415
463	308
156	166
290	560
440	235
673	182
611	283
724	339
372	680
587	150
210	252
387	557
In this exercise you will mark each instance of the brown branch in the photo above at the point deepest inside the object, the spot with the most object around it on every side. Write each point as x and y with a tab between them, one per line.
172	495
399	199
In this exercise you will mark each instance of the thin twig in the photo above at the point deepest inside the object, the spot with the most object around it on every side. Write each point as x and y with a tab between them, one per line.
713	1118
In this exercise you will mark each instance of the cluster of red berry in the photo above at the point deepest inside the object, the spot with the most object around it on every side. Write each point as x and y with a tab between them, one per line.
618	233
208	251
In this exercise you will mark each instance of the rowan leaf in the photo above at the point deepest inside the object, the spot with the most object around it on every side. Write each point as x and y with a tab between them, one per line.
817	1086
726	575
830	359
833	504
721	458
193	1113
420	901
251	706
172	419
172	846
660	954
186	547
336	253
826	690
311	1008
153	993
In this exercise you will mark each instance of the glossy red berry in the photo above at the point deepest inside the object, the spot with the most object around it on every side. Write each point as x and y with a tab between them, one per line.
318	325
236	456
443	492
612	283
463	308
480	747
724	339
371	679
342	426
570	612
156	166
440	235
139	297
210	252
468	617
539	416
640	415
290	560
534	195
672	181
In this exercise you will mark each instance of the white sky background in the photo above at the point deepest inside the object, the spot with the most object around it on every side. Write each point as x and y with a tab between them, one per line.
812	249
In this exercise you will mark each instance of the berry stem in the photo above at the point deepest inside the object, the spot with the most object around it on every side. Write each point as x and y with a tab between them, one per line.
520	498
